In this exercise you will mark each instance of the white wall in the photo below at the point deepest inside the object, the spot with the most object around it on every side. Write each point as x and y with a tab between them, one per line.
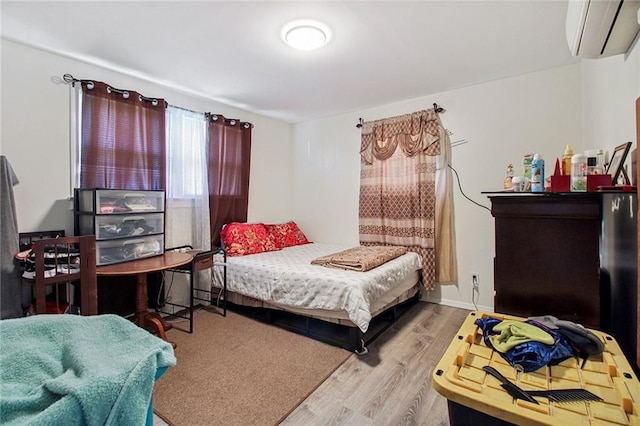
35	137
502	120
309	172
610	87
590	105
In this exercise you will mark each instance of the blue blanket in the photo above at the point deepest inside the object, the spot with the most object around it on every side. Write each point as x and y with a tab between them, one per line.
74	370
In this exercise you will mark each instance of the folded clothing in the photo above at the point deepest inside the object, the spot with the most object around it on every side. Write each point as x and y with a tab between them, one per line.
63	259
50	271
124	229
360	258
52	255
583	341
528	355
510	333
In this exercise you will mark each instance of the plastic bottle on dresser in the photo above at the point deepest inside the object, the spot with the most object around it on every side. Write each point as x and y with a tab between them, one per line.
526	165
537	174
579	173
566	160
599	162
591	161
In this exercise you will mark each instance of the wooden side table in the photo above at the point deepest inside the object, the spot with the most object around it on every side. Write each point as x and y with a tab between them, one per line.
140	268
201	260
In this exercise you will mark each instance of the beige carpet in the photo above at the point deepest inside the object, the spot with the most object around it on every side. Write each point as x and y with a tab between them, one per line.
238	371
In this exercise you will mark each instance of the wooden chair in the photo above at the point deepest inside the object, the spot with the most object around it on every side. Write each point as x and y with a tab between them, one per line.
66	271
28	238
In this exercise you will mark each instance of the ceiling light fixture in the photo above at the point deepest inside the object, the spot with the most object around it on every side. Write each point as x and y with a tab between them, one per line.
306	34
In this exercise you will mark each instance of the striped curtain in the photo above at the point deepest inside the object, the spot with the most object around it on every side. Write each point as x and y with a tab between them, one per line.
397	185
123	143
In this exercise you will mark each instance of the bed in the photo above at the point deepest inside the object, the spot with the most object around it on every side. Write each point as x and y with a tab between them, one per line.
347	308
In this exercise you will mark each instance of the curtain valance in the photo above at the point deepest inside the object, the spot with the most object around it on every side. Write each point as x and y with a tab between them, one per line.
415	133
405	198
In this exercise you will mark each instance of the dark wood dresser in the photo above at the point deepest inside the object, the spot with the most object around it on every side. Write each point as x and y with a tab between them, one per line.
547	255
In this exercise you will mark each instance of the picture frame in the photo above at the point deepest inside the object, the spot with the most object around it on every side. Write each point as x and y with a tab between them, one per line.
616	164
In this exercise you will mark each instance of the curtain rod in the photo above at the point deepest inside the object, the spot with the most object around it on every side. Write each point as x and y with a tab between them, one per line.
68	78
206	115
188	110
436	108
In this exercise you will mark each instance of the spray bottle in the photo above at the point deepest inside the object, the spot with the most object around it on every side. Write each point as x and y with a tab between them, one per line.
537	174
566	160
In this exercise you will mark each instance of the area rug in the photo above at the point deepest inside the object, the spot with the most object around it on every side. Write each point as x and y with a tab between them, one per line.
234	370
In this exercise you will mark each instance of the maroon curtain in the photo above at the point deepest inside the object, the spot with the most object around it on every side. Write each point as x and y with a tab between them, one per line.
229	158
123	139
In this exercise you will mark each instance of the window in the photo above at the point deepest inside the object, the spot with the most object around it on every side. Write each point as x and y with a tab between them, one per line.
128	141
186	153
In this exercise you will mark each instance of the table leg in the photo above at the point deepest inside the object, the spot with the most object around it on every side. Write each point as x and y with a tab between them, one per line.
156	324
143	317
142	300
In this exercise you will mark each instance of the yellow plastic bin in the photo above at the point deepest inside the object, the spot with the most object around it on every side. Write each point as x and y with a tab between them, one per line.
476	398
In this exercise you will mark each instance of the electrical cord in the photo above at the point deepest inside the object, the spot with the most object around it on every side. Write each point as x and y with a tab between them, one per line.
167	293
475	290
214	280
462	192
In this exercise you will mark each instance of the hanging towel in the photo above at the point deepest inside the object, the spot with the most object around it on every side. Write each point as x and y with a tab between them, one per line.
11	285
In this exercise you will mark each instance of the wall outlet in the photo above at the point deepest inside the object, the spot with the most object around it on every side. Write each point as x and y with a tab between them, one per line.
475	279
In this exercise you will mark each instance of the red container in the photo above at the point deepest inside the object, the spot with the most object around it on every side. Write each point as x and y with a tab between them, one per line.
594	181
560	183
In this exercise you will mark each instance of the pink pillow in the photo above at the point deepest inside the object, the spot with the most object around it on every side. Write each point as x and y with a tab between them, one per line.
244	238
287	234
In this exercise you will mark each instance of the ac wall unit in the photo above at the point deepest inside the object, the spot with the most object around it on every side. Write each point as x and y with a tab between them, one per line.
599	28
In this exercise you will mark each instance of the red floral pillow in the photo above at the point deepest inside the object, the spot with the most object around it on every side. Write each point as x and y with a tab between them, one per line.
246	238
287	234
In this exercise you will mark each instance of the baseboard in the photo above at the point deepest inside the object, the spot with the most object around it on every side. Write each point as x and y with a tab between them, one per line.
456	303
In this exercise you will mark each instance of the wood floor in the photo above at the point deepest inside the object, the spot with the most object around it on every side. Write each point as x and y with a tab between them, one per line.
391	385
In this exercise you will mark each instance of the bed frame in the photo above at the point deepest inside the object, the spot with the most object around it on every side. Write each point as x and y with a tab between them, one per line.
341	333
328	326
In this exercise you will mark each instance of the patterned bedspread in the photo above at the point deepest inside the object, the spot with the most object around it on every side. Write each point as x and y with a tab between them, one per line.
287	277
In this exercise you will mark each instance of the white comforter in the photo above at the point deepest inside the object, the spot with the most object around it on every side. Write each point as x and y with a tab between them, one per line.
287	277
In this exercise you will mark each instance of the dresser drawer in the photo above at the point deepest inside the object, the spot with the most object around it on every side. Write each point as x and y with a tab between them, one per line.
107	227
128	249
109	201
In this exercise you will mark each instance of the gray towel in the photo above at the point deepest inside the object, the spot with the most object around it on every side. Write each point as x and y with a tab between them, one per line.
11	285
